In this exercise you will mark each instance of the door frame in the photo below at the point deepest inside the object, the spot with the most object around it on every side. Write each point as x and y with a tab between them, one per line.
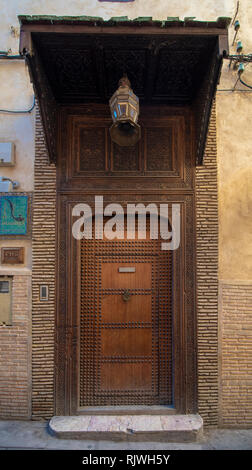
73	190
67	320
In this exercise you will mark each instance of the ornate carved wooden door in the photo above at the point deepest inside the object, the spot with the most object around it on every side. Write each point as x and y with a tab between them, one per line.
116	330
126	324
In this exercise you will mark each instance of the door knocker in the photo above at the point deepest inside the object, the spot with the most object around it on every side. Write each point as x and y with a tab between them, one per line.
126	295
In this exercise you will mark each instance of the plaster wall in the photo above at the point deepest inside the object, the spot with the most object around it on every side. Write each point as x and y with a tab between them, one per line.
16	94
234	149
202	9
233	109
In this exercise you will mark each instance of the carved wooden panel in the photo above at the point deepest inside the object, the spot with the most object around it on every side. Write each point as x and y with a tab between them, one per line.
160	154
90	148
159	149
163	68
125	323
138	377
71	369
139	308
92	157
12	255
125	159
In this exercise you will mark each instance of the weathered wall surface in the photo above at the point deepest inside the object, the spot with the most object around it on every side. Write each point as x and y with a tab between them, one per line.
204	10
207	278
234	148
235	354
15	354
16	94
234	117
43	272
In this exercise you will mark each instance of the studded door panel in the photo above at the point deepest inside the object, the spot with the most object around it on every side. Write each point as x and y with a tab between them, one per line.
125	323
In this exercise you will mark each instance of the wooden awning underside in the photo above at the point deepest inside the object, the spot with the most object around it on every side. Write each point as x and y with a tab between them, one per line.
75	60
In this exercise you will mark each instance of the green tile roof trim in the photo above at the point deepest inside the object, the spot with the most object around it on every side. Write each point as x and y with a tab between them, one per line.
189	18
173	18
53	19
143	18
119	18
221	22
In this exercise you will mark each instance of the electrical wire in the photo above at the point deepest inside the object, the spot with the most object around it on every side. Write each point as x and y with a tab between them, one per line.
11	57
245	84
236	13
236	90
4	55
19	112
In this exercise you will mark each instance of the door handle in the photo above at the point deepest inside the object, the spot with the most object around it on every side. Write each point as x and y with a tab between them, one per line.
126	295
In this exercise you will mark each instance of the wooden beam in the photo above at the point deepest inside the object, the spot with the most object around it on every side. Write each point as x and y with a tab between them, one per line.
99	62
46	101
203	103
122	29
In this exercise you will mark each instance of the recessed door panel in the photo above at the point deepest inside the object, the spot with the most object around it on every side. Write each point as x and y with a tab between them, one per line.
113	277
115	309
125	323
139	377
126	342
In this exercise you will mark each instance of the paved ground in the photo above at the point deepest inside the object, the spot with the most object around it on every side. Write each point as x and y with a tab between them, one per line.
34	435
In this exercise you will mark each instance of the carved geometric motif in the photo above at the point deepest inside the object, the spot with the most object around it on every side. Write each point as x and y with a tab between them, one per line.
159	149
125	158
91	149
159	153
124	61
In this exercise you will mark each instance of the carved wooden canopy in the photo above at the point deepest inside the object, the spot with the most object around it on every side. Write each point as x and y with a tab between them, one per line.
75	60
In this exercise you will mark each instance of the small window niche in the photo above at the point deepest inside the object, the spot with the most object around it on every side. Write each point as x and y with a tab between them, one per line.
5	300
43	293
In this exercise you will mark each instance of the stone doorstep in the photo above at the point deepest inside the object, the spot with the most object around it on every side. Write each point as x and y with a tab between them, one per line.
161	428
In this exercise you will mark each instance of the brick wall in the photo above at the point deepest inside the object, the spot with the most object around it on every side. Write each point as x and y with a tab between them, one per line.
235	398
207	279
236	355
43	272
15	354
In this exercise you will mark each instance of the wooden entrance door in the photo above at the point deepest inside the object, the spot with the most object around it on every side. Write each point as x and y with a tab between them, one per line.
125	323
99	362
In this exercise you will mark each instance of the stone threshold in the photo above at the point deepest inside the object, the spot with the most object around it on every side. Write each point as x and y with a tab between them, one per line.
160	428
127	410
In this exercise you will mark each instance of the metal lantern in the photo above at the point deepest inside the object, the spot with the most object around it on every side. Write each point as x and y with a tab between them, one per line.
124	106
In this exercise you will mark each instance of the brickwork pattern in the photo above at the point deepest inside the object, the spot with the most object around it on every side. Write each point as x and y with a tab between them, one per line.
236	362
44	272
15	354
43	312
207	297
207	278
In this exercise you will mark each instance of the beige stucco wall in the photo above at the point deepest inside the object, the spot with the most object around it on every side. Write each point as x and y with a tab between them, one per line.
233	109
234	149
234	144
202	9
16	93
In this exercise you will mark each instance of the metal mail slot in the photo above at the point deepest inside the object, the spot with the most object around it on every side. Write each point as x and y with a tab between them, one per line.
127	270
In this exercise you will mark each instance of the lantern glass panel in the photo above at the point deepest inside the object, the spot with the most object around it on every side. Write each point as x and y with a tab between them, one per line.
132	100
123	109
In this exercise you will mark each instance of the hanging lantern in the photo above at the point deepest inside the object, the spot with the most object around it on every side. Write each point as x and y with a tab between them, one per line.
124	107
